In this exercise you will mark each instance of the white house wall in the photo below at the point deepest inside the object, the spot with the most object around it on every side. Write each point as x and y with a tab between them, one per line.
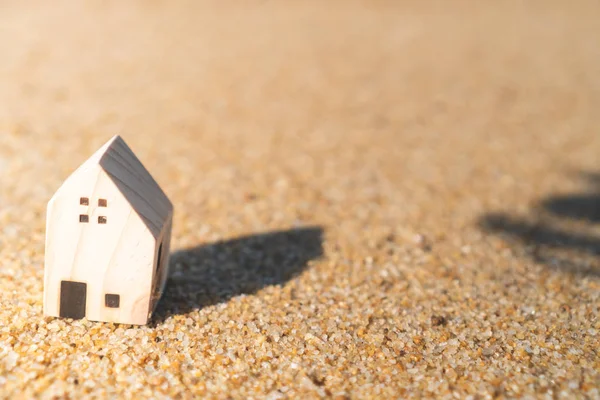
115	257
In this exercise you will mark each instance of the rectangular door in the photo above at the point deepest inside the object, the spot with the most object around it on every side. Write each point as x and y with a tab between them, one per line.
72	299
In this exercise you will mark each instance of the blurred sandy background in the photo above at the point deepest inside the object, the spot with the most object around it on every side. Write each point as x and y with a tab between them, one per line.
374	199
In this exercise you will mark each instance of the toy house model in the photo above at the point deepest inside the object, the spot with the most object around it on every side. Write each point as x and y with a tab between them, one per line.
108	234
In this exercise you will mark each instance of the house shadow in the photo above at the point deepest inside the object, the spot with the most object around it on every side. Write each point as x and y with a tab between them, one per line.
561	232
213	273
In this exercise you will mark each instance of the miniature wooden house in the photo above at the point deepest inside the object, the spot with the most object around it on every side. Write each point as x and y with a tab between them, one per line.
108	234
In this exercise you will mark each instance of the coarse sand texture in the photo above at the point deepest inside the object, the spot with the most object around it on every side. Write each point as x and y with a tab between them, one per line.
373	199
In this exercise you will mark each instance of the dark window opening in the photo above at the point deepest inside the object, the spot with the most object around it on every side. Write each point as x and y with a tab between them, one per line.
159	257
102	203
112	300
101	220
84	201
84	218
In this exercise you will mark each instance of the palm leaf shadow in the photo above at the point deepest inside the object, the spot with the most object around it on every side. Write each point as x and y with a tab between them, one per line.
565	249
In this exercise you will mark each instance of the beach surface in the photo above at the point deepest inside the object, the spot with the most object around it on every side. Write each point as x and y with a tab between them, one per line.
373	199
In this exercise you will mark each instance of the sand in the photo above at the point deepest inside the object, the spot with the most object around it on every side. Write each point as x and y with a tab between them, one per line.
374	199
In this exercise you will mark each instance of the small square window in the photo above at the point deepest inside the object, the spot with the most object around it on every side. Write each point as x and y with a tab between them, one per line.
84	201
102	203
84	218
101	220
112	300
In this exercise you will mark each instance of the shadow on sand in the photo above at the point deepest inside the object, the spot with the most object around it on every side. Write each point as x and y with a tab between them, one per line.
213	273
544	236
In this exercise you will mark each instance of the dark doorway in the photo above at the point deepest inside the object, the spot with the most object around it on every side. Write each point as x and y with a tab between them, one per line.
72	299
